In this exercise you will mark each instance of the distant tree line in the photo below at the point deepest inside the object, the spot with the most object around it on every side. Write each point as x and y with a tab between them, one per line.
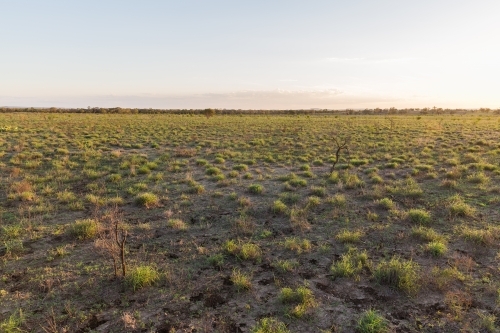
211	112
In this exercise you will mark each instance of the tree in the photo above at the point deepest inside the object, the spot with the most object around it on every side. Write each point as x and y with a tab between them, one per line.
209	112
111	242
341	145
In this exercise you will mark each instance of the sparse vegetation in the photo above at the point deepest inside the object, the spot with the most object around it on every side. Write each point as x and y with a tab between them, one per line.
216	218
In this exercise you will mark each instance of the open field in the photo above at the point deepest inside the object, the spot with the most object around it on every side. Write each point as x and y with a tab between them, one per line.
237	224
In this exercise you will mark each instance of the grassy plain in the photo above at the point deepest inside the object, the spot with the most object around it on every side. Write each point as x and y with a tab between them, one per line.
237	224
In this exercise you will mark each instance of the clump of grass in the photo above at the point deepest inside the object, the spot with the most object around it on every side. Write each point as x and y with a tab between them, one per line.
426	234
270	325
313	201
65	196
244	224
478	178
256	189
240	167
334	177
285	265
436	248
297	182
244	251
230	247
346	236
213	171
241	280
407	188
289	198
372	322
486	236
11	231
13	323
302	299
318	191
142	276
13	247
386	203
419	216
279	207
85	229
216	260
298	219
244	202
458	207
399	273
305	167
487	322
147	200
177	224
371	216
338	200
350	264
448	183
297	245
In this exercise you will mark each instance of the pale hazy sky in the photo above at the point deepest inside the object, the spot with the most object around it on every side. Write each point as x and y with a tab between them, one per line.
250	54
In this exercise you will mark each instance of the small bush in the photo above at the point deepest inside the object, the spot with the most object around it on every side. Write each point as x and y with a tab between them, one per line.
485	236
458	207
279	207
177	224
147	200
338	200
426	234
270	325
386	203
216	260
402	274
346	236
240	167
256	189
436	248
249	251
212	171
302	297
241	280
350	264
419	216
297	245
142	276
318	191
13	323
285	265
313	201
372	322
85	229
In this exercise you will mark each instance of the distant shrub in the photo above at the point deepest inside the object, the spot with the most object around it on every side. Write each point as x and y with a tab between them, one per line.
372	322
402	274
279	207
85	229
256	189
458	207
147	200
419	216
346	236
142	276
270	325
177	224
436	248
386	203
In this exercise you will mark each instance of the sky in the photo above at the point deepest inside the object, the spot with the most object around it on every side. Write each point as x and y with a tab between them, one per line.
255	54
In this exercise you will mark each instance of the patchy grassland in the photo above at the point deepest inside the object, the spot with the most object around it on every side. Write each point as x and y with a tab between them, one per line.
237	224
